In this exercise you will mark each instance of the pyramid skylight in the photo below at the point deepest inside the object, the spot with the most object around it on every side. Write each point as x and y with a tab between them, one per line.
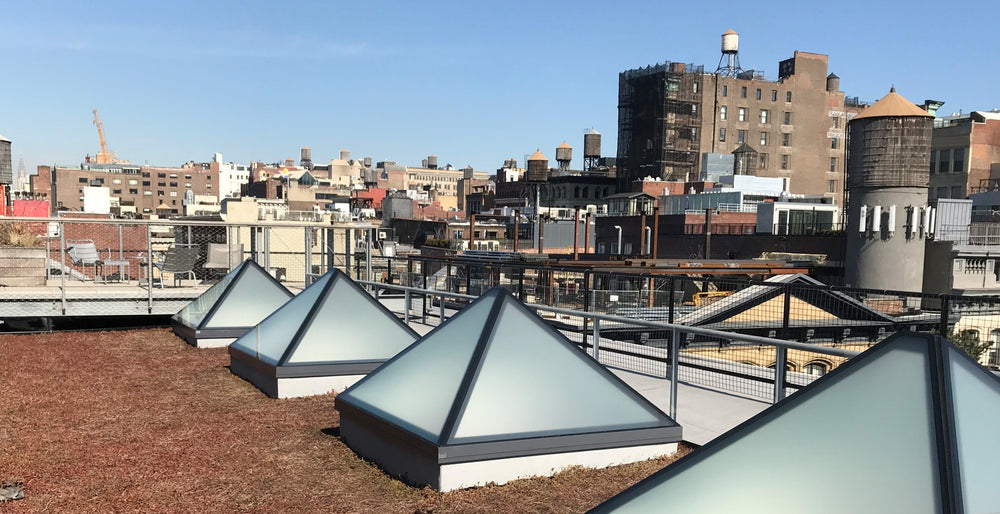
905	427
234	304
333	328
495	381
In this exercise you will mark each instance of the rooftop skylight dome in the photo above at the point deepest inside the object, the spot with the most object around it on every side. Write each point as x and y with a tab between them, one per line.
908	426
237	302
325	339
495	394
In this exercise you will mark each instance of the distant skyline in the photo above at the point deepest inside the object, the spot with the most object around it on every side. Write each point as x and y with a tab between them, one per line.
470	82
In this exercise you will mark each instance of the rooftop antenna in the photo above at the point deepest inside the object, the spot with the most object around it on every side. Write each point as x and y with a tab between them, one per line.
729	64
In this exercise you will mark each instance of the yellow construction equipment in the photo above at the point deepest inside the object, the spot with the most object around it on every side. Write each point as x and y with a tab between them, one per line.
103	157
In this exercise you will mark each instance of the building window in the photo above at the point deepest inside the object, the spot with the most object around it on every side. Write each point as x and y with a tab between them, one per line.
173	184
173	193
161	175
788	96
187	177
161	184
187	184
944	161
722	112
133	182
836	122
159	193
833	143
942	192
957	192
133	191
117	191
933	161
743	92
82	180
147	193
741	136
763	115
833	165
774	95
788	118
831	186
958	156
116	181
145	174
786	139
763	161
742	114
145	183
763	139
694	134
722	134
758	93
725	90
694	112
694	87
785	162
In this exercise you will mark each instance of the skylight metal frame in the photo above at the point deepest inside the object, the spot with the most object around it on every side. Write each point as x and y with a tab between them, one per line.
192	334
448	452
948	472
262	373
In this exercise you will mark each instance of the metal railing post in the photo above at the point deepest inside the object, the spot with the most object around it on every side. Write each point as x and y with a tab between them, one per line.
307	242
597	340
943	321
120	250
267	249
441	310
406	307
670	302
675	355
376	290
149	268
779	373
62	272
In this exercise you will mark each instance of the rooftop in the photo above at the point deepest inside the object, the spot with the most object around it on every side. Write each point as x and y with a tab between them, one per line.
88	425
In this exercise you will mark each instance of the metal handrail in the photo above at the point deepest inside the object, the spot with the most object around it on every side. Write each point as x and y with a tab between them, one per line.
781	346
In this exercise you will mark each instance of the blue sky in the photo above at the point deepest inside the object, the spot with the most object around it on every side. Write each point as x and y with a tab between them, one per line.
472	82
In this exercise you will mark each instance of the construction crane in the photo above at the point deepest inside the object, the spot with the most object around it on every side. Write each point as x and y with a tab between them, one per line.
103	157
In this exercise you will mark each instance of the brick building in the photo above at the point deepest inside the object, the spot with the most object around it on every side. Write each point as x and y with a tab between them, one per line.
136	189
962	150
671	114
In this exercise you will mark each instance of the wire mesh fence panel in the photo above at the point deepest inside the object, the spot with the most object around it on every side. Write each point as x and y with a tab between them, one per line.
974	326
631	347
740	368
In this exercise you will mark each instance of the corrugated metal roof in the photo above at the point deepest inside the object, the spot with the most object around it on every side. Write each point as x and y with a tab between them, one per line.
892	104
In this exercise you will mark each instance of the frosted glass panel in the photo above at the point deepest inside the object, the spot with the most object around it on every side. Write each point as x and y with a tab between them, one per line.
195	312
533	383
976	400
251	299
350	326
864	444
274	334
416	391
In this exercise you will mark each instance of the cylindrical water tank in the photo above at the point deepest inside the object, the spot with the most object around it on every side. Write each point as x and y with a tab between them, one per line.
730	42
306	154
564	152
832	83
538	168
345	155
368	162
592	144
432	161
